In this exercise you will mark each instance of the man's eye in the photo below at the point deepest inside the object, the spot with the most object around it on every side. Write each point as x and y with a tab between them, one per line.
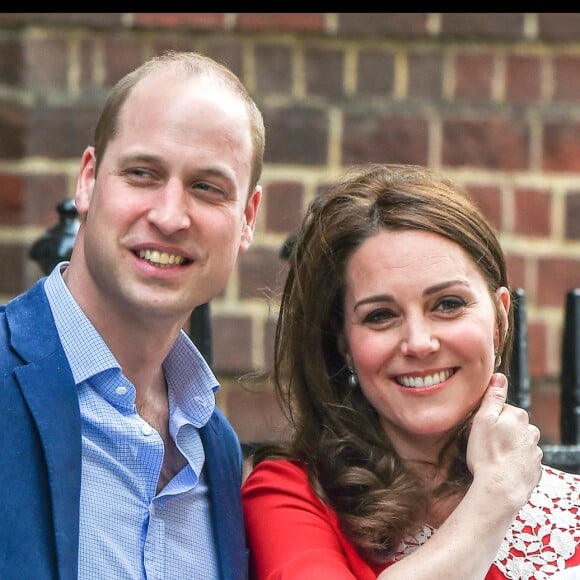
137	173
209	189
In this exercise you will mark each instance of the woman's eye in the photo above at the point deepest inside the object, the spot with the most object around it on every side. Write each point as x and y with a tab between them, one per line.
380	315
450	304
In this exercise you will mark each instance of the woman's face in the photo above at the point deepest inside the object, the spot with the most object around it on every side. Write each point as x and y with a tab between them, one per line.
420	332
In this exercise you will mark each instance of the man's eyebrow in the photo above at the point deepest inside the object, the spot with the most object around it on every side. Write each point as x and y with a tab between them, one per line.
211	170
139	157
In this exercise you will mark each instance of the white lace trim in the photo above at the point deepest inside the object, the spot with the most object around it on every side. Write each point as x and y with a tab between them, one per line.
544	534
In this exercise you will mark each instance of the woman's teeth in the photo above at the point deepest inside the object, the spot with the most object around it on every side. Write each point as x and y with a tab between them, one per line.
426	381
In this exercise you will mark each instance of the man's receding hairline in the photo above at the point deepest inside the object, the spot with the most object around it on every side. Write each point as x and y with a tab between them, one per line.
208	78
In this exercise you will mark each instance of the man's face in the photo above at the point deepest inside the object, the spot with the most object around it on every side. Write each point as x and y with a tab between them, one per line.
164	219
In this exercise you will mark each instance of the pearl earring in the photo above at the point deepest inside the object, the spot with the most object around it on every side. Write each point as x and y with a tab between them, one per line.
352	379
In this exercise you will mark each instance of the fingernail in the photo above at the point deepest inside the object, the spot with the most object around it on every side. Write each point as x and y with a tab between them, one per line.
498	380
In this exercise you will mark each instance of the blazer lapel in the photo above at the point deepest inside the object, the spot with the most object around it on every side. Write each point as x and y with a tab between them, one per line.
47	385
225	496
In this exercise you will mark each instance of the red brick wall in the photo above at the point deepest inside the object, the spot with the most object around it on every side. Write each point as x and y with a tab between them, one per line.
493	99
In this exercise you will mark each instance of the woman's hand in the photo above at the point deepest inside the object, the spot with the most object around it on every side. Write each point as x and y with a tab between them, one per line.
504	457
502	450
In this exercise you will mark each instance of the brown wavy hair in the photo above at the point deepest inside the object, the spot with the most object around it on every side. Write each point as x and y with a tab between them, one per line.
336	433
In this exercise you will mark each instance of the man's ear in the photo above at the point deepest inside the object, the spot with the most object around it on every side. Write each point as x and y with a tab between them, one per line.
85	182
250	215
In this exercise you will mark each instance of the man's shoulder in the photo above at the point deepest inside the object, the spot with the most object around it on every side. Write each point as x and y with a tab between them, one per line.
31	299
26	322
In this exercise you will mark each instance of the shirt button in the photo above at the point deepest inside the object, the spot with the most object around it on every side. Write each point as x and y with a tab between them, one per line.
146	429
121	390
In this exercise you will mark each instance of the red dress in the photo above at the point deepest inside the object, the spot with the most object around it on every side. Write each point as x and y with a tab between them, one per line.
290	531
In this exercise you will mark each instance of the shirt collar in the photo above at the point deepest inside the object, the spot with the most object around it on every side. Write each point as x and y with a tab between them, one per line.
192	384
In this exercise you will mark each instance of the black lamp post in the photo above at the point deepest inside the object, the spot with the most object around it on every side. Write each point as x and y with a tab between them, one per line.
57	243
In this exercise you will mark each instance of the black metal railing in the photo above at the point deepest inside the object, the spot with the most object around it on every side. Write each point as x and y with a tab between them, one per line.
565	455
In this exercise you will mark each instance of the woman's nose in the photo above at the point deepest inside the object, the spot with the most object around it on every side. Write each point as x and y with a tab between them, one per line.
419	340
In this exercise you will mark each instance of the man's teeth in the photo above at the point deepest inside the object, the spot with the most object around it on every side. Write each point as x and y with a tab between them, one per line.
160	258
426	381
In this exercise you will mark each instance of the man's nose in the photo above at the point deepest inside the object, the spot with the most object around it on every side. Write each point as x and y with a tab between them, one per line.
169	212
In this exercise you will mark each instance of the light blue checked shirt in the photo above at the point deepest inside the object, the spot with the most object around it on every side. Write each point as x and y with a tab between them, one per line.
127	531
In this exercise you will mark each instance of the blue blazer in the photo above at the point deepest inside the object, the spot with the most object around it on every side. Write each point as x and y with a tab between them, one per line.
40	455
